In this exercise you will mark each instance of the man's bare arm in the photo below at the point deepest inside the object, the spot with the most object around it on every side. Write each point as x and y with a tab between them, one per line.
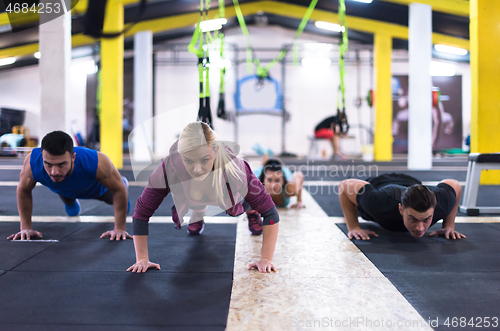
448	228
25	202
111	179
348	191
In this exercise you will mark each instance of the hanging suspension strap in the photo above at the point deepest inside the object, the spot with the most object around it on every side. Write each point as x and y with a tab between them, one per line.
342	122
263	72
204	112
301	28
221	108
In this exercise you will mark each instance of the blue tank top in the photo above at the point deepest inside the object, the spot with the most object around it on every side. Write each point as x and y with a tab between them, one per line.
81	184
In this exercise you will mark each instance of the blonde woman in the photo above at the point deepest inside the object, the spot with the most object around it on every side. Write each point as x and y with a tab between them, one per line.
201	170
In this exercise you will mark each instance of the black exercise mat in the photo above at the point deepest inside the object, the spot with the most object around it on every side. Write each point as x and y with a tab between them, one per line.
162	232
14	253
81	249
80	283
115	298
440	278
48	203
482	232
448	297
66	327
109	255
327	198
9	175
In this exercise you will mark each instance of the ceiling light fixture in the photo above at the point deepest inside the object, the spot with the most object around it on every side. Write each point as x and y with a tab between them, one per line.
364	1
450	49
212	25
329	26
442	69
7	61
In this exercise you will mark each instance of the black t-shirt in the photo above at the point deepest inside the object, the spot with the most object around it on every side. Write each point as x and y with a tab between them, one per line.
326	123
382	205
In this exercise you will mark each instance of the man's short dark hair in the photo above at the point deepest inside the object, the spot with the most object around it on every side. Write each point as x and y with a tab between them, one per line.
419	198
57	143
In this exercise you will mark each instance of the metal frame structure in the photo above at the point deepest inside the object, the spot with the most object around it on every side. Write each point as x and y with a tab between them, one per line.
477	163
282	114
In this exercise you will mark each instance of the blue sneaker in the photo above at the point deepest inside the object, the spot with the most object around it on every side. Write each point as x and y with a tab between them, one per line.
74	209
258	149
125	180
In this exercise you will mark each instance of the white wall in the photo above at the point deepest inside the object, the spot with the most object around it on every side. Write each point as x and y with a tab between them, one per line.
77	119
20	89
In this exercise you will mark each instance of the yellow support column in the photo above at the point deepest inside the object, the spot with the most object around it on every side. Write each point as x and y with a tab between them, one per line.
383	97
111	118
485	79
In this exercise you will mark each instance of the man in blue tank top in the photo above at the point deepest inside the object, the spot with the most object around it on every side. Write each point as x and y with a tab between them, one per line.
72	173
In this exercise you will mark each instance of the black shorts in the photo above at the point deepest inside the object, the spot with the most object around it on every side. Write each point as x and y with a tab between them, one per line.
382	205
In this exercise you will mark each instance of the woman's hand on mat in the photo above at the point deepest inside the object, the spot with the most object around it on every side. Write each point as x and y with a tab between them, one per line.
298	205
25	235
359	233
263	265
143	266
448	233
116	234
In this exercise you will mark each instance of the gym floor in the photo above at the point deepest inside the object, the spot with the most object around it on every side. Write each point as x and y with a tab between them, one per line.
74	280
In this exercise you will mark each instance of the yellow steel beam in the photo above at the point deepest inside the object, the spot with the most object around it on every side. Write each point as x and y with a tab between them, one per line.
29	17
382	138
19	51
485	79
111	116
271	7
454	7
80	8
294	11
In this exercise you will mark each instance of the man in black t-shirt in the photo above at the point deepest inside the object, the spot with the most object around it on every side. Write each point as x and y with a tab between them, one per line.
400	203
329	129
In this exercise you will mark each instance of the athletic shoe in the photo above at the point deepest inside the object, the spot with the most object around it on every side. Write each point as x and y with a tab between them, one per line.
74	209
125	180
258	149
254	223
195	228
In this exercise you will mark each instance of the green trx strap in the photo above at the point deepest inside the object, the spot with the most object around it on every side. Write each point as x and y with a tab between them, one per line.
204	112
341	115
221	108
244	30
301	28
263	72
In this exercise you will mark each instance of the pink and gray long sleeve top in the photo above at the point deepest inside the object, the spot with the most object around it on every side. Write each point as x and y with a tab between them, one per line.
172	177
